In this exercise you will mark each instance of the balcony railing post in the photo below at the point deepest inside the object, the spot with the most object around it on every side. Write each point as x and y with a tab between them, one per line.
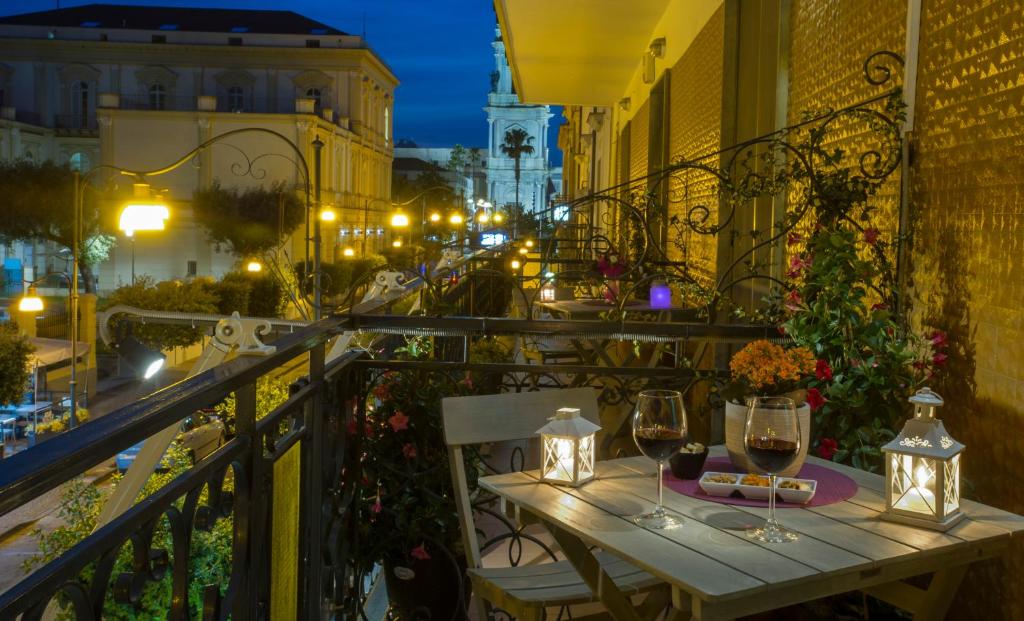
250	522
312	561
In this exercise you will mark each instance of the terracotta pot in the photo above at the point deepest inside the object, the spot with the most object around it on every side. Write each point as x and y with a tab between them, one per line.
736	420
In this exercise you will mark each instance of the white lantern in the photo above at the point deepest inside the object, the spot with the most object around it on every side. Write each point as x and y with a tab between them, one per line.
547	292
922	469
567	448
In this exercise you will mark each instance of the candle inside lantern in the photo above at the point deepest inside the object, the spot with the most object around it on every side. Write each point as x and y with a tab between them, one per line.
661	295
547	293
919	496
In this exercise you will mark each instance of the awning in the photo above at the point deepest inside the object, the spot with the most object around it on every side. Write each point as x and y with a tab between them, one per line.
585	52
52	351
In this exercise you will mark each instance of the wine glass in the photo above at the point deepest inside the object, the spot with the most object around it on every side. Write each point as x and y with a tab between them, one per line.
772	441
659	429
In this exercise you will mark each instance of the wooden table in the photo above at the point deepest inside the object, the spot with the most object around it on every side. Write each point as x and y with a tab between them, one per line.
715	572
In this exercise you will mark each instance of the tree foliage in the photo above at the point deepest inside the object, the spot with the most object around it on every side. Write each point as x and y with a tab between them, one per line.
192	296
251	221
39	205
15	349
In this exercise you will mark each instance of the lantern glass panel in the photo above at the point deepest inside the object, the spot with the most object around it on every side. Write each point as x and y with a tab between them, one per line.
913	484
586	458
952	480
558	458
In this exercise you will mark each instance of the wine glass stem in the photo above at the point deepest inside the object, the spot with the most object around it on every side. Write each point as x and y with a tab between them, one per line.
661	468
771	502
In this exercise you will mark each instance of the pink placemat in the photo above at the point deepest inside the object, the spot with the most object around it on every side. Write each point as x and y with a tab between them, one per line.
833	486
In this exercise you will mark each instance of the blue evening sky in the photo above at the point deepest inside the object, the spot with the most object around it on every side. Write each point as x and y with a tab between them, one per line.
439	49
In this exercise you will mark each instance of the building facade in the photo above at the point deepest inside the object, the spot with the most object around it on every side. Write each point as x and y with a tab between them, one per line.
139	87
506	112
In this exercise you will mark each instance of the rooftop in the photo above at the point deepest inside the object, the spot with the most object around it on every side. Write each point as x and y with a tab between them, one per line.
167	18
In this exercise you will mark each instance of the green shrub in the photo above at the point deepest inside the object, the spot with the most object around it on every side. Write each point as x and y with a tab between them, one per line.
15	349
234	293
189	296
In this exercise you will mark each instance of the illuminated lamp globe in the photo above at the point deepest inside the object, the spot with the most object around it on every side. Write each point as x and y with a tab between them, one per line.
399	220
30	302
143	212
254	266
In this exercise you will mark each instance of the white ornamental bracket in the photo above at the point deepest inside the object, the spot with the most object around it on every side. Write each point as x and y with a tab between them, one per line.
244	334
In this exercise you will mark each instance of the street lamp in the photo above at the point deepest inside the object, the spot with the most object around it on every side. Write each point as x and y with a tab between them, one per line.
435	217
30	302
348	252
399	220
142	212
254	266
328	215
456	219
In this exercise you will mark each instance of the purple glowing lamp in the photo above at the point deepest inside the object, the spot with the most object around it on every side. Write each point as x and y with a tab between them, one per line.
661	295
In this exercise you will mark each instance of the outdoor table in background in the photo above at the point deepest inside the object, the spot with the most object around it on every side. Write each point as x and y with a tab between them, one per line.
715	572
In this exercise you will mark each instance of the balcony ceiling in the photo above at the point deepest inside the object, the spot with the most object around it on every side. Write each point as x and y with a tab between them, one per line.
576	52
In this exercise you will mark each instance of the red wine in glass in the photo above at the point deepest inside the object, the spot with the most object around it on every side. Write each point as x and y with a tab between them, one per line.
659	443
772	441
659	429
771	454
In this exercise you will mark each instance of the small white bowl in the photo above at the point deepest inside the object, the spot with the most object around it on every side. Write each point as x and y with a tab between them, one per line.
718	489
798	496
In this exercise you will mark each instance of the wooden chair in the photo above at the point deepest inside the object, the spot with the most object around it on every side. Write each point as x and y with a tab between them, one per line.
525	591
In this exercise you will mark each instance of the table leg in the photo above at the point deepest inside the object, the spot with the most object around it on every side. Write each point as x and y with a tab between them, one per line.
940	593
614	600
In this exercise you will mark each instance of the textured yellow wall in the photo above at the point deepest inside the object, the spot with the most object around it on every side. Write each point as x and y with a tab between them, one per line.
695	128
284	545
829	41
967	195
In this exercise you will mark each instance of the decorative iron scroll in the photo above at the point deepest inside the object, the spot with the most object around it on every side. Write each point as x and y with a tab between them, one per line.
706	193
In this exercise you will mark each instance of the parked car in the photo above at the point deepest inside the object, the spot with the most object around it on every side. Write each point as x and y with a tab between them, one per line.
201	434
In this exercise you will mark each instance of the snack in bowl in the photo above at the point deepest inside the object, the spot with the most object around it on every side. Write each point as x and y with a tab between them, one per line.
688	461
755	480
718	483
721	477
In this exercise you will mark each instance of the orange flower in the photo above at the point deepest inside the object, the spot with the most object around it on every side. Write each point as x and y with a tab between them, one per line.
764	364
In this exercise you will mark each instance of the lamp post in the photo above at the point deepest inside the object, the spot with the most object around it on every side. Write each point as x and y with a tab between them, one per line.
318	146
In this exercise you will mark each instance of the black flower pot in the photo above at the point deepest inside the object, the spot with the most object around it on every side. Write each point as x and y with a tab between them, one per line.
687	465
435	589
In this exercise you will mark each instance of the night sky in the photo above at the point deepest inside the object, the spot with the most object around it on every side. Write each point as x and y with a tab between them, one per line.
439	49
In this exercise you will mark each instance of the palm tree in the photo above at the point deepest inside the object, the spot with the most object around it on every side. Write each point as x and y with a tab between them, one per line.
516	145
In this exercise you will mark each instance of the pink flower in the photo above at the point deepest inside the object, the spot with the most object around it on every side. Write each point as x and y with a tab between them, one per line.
377	507
797	265
815	399
919	364
879	306
399	421
939	359
827	448
794	239
938	338
409	450
871	235
420	552
822	371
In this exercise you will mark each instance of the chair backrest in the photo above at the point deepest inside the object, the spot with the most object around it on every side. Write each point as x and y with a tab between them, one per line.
500	418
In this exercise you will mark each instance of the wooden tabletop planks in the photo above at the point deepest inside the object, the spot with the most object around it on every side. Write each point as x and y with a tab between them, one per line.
710	555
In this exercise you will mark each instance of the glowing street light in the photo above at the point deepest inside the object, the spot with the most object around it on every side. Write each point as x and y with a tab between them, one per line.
328	215
143	212
498	218
254	266
483	217
399	220
529	243
30	302
396	244
435	217
456	219
515	264
348	252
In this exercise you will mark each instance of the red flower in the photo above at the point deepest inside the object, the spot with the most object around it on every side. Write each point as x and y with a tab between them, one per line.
871	235
794	239
939	359
918	364
782	330
382	391
797	264
827	448
409	450
815	399
879	306
822	371
399	421
352	428
793	300
377	507
420	552
938	338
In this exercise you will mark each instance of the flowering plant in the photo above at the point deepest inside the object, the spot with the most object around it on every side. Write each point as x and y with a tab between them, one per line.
838	303
610	268
763	368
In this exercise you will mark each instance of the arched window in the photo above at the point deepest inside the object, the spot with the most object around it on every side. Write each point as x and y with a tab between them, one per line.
314	94
79	161
157	97
236	99
80	101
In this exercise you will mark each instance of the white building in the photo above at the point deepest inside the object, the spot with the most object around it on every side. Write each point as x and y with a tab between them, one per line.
138	87
504	112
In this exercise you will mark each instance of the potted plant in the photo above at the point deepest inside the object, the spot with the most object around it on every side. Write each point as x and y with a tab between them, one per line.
765	369
408	518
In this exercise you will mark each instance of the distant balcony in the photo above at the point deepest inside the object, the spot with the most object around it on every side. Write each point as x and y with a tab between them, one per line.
80	122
